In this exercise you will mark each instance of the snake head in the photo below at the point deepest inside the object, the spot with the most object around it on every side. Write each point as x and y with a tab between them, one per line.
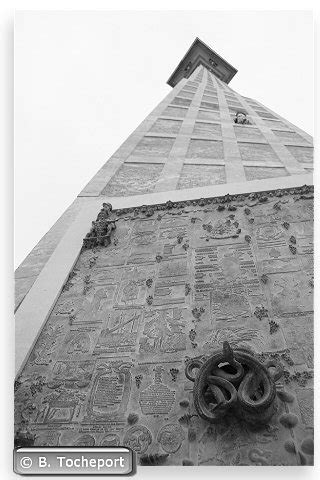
277	371
228	352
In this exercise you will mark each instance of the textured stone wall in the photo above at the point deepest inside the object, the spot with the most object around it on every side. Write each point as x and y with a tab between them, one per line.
174	283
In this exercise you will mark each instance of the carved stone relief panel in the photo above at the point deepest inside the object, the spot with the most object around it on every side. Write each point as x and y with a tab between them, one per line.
164	331
110	393
177	281
133	287
120	332
290	294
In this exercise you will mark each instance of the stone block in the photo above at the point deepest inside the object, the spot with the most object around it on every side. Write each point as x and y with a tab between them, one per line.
201	175
255	173
133	179
154	146
166	126
174	112
205	149
302	154
207	129
245	132
257	152
289	137
207	115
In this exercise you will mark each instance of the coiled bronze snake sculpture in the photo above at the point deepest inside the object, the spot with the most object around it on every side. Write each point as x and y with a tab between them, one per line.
233	380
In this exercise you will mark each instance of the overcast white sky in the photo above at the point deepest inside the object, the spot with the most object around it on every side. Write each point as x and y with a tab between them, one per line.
85	80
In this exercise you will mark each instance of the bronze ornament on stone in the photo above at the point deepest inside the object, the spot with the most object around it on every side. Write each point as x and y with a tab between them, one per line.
234	381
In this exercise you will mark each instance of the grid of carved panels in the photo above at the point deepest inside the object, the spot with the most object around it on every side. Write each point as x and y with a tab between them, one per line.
133	179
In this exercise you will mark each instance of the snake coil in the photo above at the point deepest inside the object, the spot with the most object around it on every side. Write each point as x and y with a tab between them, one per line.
233	380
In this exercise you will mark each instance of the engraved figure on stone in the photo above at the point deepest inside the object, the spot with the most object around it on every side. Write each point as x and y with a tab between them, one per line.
237	337
74	374
27	404
138	438
79	343
220	442
229	305
120	332
163	332
130	291
85	308
46	346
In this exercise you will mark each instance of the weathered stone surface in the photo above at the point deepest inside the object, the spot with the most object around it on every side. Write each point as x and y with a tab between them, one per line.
166	126
186	94
288	137
248	133
253	173
257	152
210	98
181	101
209	106
207	129
174	283
206	115
172	111
302	154
264	113
154	146
132	178
200	175
274	123
28	271
205	149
